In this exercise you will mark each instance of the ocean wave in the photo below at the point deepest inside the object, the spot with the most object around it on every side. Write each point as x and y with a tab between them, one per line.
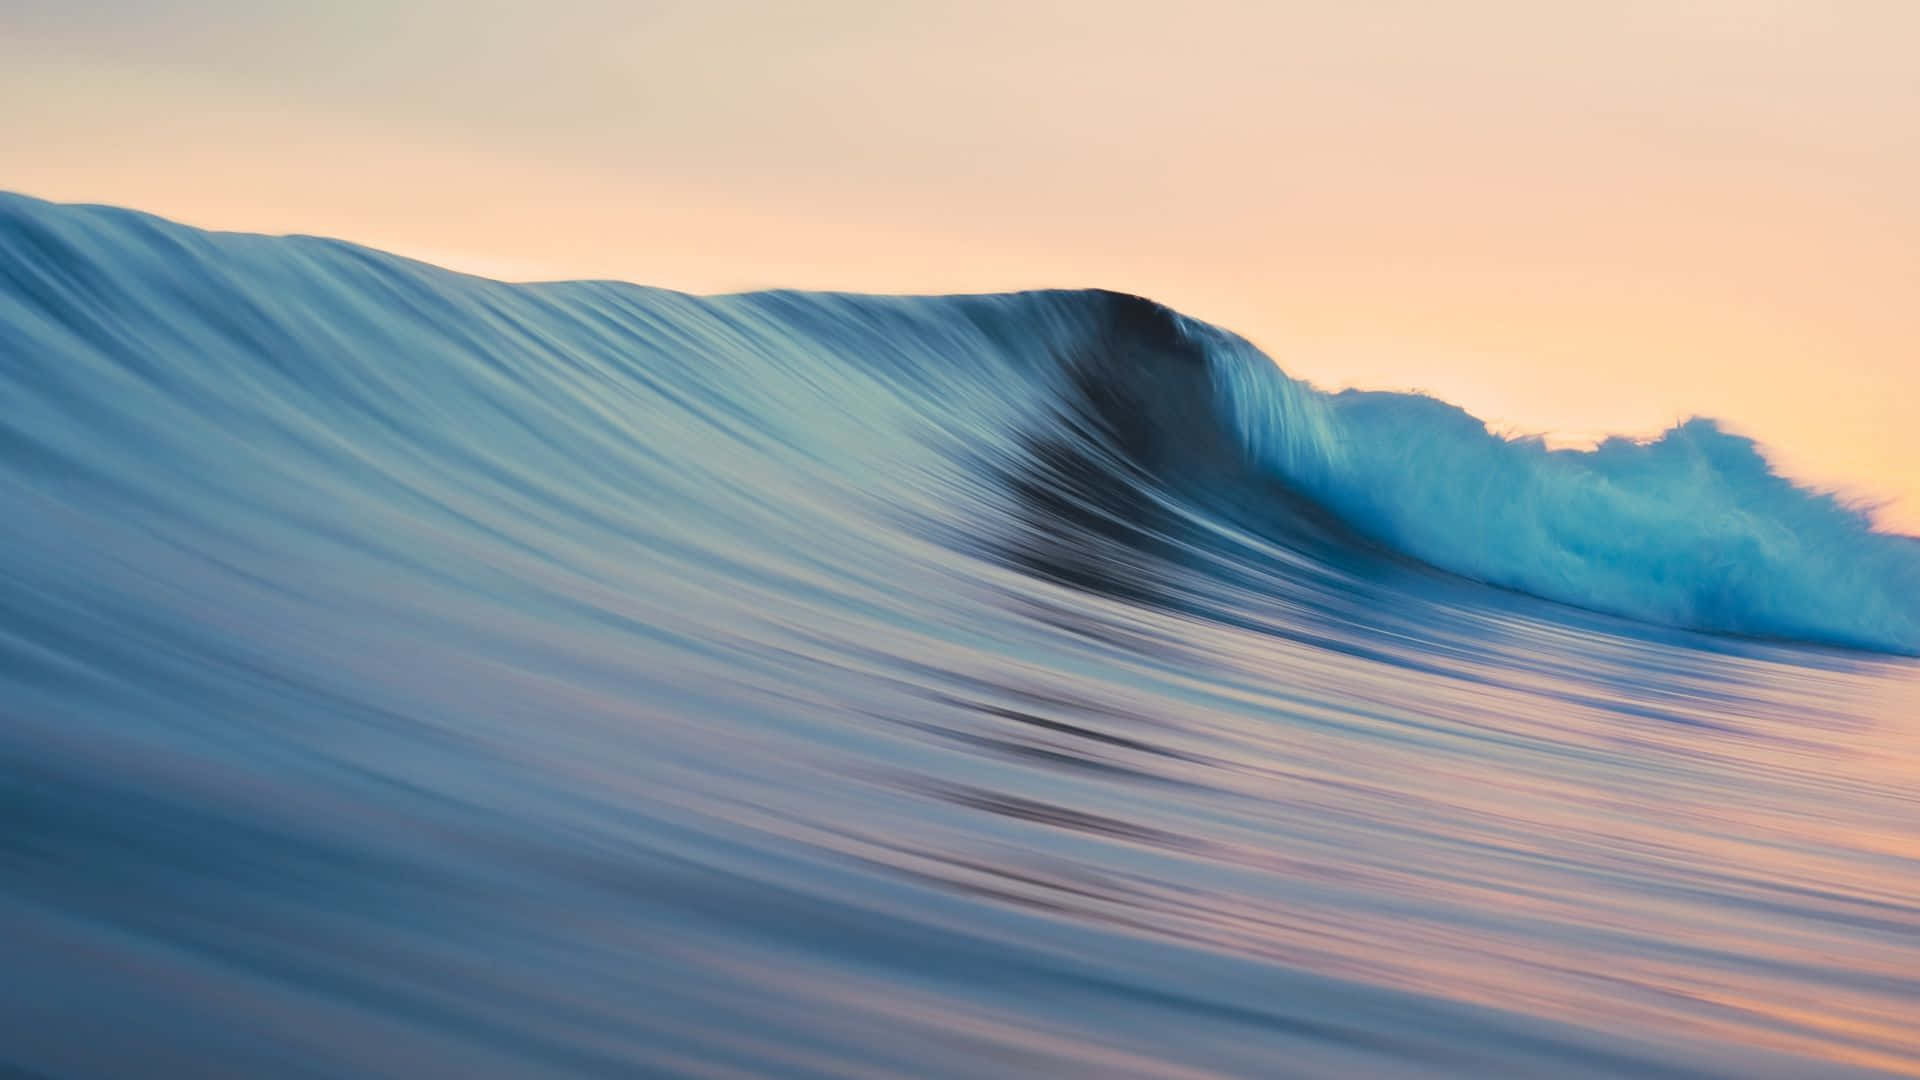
1692	529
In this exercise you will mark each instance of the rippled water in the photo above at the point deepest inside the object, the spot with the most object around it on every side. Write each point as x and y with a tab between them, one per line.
405	675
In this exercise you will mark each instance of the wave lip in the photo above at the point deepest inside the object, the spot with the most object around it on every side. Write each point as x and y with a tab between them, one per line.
1693	529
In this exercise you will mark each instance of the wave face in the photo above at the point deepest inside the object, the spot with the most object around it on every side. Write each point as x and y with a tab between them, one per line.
404	673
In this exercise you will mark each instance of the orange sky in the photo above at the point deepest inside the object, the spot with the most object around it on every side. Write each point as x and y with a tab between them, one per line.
1570	218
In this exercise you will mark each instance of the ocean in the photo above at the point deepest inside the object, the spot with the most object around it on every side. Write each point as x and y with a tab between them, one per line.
406	674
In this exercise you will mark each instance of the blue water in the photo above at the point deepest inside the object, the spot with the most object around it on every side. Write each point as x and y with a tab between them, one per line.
405	674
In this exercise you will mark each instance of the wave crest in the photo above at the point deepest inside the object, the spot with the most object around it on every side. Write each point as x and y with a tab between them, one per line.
1693	529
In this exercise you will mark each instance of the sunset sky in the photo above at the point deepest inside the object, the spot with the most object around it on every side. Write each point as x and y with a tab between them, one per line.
1572	219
